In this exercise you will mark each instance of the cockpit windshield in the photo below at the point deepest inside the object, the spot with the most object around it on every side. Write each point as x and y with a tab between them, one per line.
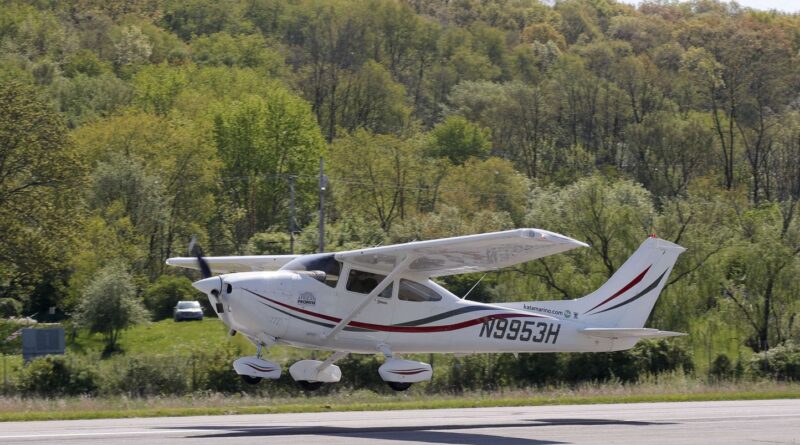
324	262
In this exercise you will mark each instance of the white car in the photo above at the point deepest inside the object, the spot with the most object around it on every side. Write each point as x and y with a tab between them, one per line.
187	310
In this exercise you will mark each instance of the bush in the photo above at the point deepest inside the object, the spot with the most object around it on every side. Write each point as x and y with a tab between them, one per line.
10	307
161	297
56	375
269	243
647	357
780	363
148	376
659	356
721	368
214	372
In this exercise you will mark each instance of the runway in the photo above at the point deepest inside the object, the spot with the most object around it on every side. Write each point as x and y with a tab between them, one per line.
739	422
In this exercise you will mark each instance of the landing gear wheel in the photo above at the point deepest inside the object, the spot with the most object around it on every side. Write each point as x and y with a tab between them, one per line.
308	385
249	379
399	386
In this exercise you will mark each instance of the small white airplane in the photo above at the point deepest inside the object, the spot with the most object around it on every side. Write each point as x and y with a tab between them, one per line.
382	300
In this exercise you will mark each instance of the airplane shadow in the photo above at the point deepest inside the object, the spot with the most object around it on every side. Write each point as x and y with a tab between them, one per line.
443	434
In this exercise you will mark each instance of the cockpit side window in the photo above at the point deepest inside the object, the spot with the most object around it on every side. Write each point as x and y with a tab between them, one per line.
418	292
364	282
332	273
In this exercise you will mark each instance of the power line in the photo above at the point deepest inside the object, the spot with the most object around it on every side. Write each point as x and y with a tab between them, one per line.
358	182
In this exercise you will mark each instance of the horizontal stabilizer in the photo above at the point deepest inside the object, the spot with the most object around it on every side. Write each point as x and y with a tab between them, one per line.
629	333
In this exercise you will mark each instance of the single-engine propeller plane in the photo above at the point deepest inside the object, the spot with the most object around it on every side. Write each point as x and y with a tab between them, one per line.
382	300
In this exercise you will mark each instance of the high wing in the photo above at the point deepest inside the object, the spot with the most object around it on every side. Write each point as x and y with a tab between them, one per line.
230	264
462	254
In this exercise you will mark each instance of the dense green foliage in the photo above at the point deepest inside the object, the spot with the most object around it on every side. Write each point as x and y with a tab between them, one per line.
128	126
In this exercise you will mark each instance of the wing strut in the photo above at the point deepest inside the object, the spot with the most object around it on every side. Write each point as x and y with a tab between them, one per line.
378	289
331	360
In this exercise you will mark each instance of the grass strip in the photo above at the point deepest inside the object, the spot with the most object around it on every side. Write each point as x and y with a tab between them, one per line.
455	402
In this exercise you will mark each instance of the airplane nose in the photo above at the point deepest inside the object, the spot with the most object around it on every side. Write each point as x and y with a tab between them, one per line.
206	285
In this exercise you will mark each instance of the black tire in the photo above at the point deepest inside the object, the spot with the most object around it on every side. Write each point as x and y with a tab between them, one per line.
308	385
399	386
251	380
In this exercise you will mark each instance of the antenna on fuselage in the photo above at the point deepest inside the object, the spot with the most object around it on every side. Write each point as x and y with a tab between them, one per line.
473	287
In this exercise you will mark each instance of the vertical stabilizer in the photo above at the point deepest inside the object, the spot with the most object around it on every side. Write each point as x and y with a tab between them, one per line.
628	297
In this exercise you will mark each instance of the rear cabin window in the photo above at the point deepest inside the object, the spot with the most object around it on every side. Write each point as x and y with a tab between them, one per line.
364	282
413	291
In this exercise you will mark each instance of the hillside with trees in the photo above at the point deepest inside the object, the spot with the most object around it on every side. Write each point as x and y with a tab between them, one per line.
127	127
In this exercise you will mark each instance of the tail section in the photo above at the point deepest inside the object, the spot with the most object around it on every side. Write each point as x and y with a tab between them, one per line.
628	297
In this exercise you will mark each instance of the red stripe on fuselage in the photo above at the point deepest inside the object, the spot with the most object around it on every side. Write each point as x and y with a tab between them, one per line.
627	287
406	329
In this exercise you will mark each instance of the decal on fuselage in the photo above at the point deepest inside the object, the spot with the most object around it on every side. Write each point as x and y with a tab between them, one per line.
307	298
533	331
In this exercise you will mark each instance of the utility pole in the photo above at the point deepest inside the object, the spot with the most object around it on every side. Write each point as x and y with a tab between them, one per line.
323	184
292	227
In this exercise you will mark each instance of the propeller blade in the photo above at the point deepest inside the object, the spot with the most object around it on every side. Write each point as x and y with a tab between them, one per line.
197	251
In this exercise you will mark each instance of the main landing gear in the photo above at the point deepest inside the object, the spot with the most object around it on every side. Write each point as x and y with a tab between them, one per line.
311	374
400	374
308	385
251	380
399	386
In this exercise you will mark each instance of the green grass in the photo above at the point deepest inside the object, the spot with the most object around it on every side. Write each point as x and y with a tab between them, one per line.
87	408
166	337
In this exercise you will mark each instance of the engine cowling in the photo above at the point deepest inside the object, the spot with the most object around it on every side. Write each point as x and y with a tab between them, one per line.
405	371
255	367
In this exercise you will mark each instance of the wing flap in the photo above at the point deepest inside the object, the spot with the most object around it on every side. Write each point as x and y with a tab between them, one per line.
463	254
629	333
230	264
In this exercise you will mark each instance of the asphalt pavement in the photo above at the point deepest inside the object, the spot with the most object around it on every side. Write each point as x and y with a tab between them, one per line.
725	422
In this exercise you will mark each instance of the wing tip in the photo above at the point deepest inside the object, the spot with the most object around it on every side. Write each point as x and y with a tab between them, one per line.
546	234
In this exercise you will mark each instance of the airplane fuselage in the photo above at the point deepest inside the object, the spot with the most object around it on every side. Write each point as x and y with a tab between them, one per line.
412	316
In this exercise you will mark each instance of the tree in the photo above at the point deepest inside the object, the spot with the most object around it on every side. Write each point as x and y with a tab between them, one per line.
612	216
459	139
152	182
741	69
133	201
486	185
518	116
110	305
665	152
761	275
370	99
40	175
83	99
261	141
133	47
376	175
